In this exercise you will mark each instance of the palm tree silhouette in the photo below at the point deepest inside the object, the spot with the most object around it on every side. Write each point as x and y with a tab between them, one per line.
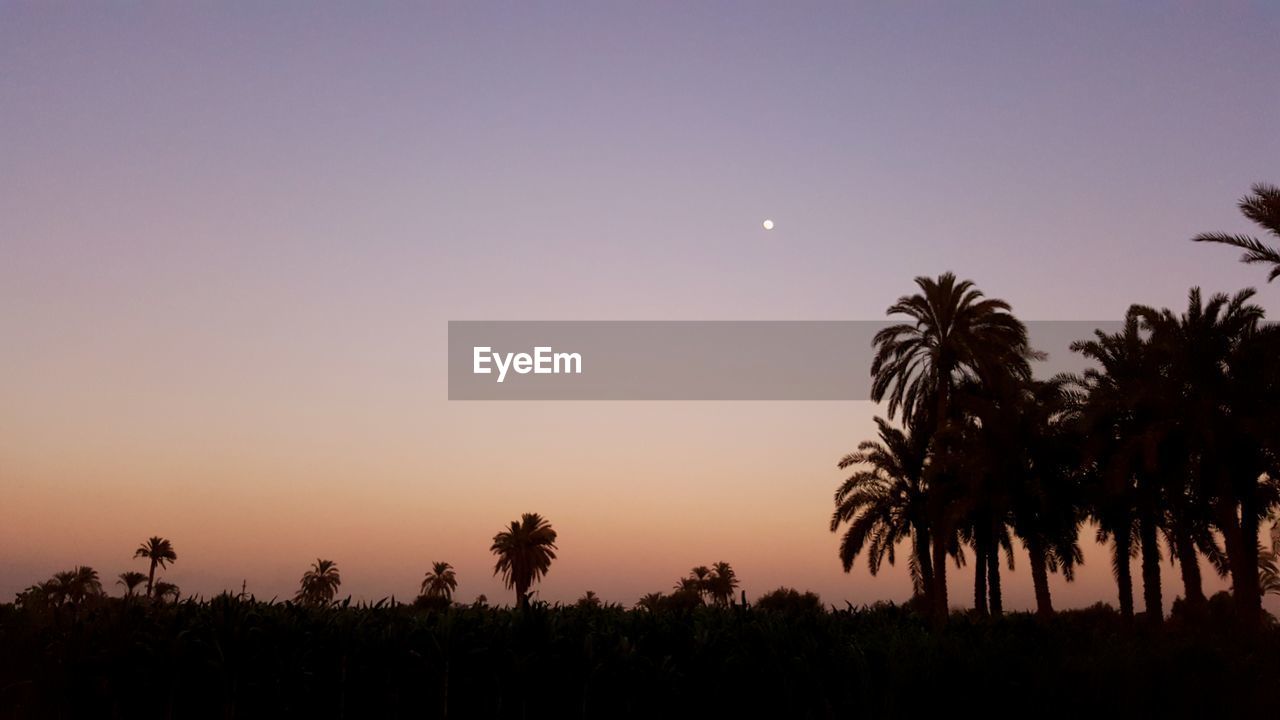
955	334
1108	402
700	582
525	551
722	582
440	582
320	583
166	591
1047	502
884	502
160	552
131	580
1262	206
1179	417
1217	402
72	586
651	602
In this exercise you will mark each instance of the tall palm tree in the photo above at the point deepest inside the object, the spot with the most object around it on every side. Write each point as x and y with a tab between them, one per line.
525	551
159	551
131	580
320	583
1047	505
954	333
1214	433
440	582
1109	402
1262	206
883	502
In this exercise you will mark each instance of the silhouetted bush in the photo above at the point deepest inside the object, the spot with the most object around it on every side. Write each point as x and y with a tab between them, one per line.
789	600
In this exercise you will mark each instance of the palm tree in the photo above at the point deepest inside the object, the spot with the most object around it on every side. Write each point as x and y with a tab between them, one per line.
319	584
589	599
131	580
525	551
651	602
166	591
955	334
883	502
722	583
1216	381
700	582
1123	416
72	586
440	582
1109	402
1047	506
160	552
1262	206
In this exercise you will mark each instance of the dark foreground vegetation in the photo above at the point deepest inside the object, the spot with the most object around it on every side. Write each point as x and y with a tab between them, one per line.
235	658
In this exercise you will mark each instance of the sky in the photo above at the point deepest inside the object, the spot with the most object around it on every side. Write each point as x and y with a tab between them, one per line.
232	236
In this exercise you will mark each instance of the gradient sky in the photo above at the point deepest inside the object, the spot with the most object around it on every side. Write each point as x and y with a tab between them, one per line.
231	237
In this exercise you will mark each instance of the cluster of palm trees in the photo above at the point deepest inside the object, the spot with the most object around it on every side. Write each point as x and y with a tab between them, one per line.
82	583
714	585
1168	441
703	585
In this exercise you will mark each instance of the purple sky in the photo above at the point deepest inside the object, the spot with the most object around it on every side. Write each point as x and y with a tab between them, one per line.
231	236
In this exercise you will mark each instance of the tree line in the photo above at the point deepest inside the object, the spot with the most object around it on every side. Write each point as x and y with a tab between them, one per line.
1167	443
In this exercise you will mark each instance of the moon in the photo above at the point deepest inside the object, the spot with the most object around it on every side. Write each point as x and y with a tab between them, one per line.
767	224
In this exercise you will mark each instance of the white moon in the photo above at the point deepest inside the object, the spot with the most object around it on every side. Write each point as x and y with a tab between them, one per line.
768	224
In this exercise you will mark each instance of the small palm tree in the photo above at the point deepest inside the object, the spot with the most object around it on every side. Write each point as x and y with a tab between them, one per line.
131	580
589	599
1262	206
525	551
651	602
320	584
160	552
166	591
440	582
72	586
884	502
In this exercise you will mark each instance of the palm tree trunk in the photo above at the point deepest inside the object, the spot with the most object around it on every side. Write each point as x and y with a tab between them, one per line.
1040	577
1244	576
151	578
979	573
923	561
1123	549
1248	590
1150	567
1189	564
939	599
993	579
